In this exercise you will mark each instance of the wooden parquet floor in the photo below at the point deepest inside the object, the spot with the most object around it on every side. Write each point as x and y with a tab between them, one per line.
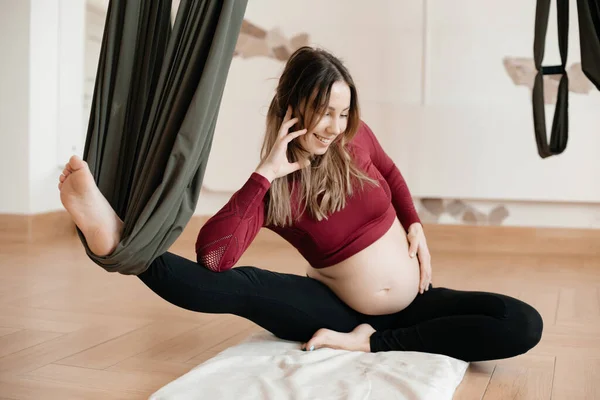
70	330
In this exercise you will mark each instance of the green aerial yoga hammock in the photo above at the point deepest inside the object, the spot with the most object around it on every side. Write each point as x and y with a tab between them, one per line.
154	111
589	38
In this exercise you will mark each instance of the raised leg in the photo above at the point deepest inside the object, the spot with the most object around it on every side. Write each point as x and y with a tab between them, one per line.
292	307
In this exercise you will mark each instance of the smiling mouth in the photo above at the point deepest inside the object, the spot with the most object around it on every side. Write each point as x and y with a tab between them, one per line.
322	139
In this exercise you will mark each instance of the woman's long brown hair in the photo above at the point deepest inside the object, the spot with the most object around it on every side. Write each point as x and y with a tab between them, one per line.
305	85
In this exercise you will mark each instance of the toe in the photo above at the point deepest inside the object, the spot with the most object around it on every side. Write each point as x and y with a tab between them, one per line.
319	339
310	345
76	163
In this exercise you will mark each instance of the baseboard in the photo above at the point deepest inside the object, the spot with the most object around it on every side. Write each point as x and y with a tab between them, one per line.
476	238
15	228
440	237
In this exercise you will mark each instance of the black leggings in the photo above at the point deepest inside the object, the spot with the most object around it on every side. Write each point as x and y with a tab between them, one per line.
470	326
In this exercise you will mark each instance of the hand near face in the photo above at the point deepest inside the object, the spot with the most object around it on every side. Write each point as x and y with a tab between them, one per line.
276	164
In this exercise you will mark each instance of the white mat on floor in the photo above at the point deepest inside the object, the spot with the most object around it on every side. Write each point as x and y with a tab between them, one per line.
264	367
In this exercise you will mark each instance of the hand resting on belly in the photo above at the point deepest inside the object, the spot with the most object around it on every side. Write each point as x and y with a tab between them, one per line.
380	279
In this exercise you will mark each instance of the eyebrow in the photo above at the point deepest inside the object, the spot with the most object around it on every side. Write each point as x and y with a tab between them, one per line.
331	108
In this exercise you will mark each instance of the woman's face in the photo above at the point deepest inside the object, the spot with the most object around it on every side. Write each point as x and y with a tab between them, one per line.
332	124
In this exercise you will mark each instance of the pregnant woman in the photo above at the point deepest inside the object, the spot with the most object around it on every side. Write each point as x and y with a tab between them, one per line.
326	186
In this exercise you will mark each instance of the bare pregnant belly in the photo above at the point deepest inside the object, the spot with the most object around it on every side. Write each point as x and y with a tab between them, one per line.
381	279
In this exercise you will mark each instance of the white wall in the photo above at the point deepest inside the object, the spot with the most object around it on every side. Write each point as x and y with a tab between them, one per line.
434	87
475	119
43	104
72	125
14	98
56	94
420	91
41	98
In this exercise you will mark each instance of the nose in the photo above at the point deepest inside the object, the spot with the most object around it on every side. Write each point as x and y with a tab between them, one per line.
334	126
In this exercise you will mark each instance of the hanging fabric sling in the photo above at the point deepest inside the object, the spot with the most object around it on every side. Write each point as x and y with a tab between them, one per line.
589	37
155	105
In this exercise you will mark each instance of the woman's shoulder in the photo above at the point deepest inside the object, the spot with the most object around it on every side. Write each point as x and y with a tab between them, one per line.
362	139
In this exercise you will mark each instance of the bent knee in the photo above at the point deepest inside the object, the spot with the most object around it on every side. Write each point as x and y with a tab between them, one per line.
526	326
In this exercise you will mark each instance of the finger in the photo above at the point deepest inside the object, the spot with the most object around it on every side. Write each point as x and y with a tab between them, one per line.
288	114
423	253
426	279
299	165
414	247
294	135
425	262
286	126
424	259
422	279
429	276
425	285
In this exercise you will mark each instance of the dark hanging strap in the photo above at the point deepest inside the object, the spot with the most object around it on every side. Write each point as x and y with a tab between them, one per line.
589	38
560	124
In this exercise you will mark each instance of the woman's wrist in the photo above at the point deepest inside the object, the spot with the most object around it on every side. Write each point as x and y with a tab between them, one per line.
265	172
415	225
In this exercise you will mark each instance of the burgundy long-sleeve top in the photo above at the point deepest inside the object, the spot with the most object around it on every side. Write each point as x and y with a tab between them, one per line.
368	214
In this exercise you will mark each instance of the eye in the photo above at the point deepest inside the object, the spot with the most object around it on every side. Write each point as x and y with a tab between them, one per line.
344	116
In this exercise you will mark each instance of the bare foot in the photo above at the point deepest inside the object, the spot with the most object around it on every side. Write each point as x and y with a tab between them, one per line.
90	210
357	340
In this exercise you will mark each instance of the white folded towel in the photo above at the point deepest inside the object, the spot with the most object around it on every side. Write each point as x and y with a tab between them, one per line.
264	367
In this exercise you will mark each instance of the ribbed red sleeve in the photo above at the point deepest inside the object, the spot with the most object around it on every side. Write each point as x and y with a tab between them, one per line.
225	236
401	196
